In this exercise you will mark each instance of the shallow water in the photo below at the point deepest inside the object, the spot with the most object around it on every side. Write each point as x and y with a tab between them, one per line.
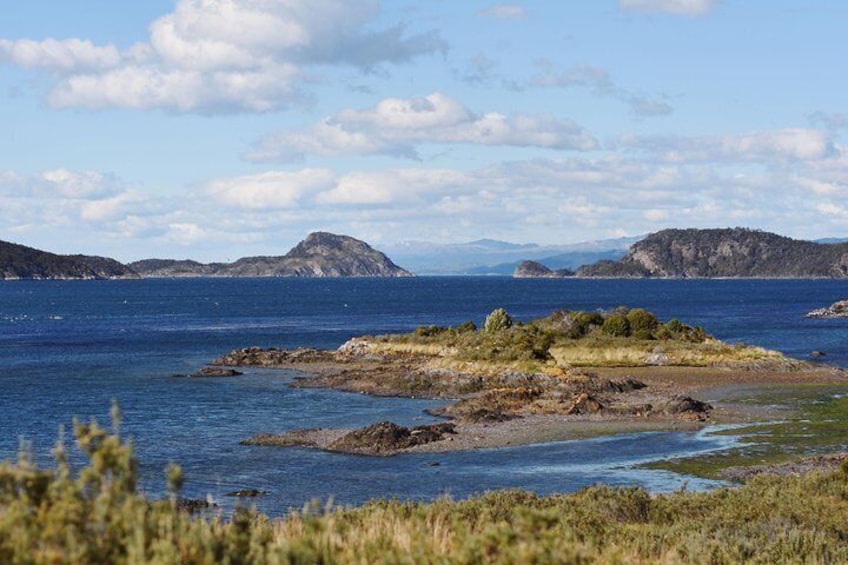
70	348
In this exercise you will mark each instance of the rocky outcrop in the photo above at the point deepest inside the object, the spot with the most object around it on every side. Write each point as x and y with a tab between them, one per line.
386	438
535	270
725	253
835	310
21	262
216	372
321	254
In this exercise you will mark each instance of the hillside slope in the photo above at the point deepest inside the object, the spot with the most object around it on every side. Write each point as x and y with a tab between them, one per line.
720	253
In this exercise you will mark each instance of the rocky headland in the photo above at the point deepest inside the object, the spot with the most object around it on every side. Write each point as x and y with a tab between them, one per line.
836	310
321	254
18	262
568	375
724	253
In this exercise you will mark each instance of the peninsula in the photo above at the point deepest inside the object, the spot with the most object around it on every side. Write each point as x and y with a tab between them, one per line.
567	375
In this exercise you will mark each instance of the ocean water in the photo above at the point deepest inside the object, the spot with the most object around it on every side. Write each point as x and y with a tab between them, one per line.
69	349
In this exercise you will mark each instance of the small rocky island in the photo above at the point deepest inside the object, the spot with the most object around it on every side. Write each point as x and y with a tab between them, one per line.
570	374
836	310
536	270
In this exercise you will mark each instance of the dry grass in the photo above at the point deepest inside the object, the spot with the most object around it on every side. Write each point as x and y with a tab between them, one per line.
626	352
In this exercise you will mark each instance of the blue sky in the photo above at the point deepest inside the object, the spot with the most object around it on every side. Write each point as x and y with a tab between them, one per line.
215	129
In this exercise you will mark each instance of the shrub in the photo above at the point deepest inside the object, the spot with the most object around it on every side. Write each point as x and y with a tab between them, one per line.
498	321
429	331
616	325
466	327
584	323
642	323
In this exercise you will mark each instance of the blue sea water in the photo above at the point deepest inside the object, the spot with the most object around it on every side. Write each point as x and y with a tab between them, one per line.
69	349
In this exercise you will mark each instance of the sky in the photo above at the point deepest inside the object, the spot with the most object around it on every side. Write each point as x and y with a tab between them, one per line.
217	129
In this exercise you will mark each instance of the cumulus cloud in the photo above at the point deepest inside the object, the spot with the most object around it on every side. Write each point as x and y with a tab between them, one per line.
209	55
768	147
504	11
721	182
64	199
678	7
600	82
271	190
70	55
397	126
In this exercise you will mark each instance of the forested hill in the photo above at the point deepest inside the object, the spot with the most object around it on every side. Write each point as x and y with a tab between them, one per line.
21	262
725	253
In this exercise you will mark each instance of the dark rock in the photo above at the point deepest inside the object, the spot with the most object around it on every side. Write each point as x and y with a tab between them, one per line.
387	438
584	403
817	353
684	406
272	357
193	505
216	372
247	493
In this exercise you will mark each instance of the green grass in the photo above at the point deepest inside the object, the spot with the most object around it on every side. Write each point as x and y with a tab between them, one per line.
816	423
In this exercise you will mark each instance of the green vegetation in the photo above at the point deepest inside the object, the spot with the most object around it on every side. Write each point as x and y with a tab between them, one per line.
96	515
621	337
818	424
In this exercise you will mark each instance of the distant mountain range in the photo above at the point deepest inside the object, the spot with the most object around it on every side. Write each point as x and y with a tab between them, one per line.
319	255
674	253
493	257
730	253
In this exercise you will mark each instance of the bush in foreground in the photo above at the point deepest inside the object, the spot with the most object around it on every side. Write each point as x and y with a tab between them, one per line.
96	515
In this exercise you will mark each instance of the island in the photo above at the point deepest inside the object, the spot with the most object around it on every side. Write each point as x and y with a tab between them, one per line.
534	269
570	374
319	255
724	253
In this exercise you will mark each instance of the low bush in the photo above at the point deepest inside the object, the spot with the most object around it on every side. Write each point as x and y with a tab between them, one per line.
96	515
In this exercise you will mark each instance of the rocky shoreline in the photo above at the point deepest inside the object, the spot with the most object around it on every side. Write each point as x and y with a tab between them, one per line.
836	310
497	408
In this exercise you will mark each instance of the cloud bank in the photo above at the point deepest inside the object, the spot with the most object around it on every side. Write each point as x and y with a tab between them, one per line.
221	55
398	126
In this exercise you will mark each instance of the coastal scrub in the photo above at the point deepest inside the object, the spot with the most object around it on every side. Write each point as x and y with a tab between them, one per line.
97	515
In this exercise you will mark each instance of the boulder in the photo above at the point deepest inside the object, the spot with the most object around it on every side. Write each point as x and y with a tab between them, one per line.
216	372
387	438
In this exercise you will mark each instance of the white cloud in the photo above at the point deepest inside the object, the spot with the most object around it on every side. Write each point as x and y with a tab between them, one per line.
679	7
271	190
114	208
769	147
59	184
214	55
394	187
70	55
397	126
504	11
